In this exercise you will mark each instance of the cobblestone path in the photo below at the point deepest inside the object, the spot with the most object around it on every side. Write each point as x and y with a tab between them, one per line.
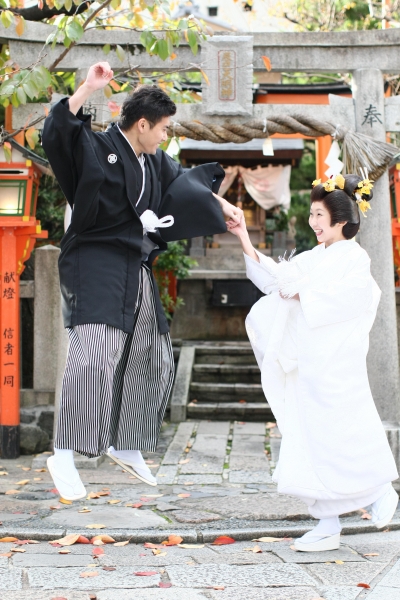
214	478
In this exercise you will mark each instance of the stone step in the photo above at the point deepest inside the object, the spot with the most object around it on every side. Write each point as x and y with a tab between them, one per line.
230	373
226	355
226	392
250	411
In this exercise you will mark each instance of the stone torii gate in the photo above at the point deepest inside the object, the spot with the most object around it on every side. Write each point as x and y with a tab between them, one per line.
229	62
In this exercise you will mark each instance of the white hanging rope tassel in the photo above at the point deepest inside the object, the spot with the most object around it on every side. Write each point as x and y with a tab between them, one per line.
151	222
173	147
268	149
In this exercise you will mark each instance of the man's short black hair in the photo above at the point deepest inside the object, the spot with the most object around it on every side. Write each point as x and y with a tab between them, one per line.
148	102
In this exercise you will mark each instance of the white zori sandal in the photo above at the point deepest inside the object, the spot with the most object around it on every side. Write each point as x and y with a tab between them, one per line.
142	472
69	490
383	509
317	542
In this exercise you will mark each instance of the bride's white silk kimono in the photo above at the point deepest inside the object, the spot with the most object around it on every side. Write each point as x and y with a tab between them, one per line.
312	356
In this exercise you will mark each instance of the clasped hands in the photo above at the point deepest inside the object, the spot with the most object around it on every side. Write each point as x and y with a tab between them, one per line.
233	214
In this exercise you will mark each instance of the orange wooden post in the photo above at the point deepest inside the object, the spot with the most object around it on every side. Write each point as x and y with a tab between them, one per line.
9	366
394	175
19	183
322	146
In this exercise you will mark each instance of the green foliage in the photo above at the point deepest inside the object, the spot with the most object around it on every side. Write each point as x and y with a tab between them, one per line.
51	208
172	263
338	15
300	208
281	221
25	84
160	36
300	184
302	176
50	205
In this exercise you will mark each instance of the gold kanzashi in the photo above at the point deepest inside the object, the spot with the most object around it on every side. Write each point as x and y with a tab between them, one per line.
316	182
329	185
340	181
365	186
364	205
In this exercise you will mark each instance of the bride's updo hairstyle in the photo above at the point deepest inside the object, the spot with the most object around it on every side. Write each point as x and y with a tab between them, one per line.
344	205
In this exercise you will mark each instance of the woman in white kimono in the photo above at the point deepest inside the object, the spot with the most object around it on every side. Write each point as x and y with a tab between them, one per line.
310	337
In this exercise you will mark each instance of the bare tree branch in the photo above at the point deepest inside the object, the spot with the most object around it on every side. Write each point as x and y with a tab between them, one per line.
86	23
17	131
34	13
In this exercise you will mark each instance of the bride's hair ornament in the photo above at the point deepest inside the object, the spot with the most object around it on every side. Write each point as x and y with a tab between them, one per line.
361	193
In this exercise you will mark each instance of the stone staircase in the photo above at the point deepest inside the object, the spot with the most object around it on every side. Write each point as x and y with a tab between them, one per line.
225	384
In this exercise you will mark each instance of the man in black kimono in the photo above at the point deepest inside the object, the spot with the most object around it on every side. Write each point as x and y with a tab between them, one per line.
122	188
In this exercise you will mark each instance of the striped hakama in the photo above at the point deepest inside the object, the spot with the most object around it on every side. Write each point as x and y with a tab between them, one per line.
116	385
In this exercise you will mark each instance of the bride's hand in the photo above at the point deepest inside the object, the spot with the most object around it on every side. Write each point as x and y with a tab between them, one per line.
295	297
238	229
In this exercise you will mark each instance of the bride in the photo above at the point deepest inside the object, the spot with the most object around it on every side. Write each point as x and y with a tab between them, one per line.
310	337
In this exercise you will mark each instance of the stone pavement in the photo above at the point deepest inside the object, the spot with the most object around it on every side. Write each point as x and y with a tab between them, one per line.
214	478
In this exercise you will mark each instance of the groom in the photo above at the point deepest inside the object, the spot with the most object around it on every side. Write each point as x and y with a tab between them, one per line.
120	186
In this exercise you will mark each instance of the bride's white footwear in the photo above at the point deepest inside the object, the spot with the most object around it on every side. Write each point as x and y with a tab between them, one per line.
69	490
136	470
317	542
383	509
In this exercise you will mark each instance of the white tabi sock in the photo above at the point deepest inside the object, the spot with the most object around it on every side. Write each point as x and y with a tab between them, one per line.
132	457
325	527
64	462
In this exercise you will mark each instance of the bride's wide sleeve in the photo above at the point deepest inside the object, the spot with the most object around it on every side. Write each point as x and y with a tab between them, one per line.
339	301
263	273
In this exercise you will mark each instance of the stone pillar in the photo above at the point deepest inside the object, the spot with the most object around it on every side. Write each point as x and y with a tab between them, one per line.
228	66
197	247
376	238
47	314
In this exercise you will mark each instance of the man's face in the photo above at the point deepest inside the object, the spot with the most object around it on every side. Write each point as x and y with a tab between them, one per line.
151	137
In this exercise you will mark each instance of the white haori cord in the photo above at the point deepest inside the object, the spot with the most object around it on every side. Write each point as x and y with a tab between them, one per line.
151	222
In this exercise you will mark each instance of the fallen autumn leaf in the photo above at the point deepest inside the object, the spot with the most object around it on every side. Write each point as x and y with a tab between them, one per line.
173	540
106	539
122	543
223	540
82	540
68	540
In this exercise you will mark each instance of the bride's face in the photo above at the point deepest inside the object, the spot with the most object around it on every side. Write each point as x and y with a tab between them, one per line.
320	222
